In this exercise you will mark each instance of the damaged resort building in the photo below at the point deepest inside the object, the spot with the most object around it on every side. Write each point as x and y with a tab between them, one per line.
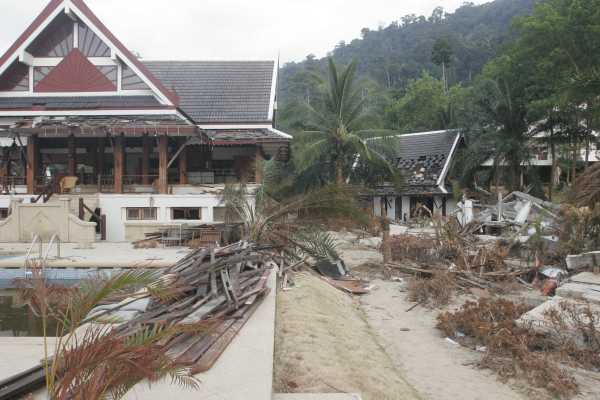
99	144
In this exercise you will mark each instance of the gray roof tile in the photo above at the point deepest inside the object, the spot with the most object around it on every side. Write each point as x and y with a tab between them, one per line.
420	157
213	92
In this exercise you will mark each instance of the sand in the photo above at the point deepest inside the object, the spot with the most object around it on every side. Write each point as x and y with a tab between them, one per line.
435	367
324	345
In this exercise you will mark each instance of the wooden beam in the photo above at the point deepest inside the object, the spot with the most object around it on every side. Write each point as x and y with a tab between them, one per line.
259	165
32	163
183	166
72	156
163	169
147	149
119	158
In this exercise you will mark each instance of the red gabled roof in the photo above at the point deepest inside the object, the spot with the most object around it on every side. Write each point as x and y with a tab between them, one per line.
75	73
88	13
52	6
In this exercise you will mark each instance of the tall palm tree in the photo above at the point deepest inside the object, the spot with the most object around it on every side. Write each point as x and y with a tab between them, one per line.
331	151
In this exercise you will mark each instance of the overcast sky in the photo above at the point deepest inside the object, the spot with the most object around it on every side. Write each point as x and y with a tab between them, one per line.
230	29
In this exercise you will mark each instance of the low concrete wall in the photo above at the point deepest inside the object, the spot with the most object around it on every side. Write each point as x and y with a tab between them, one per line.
45	220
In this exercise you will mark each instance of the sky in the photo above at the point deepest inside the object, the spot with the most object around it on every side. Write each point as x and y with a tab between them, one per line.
230	29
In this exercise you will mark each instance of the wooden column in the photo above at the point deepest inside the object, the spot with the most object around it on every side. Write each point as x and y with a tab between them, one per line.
101	147
163	160
72	155
32	163
183	166
258	161
147	149
119	160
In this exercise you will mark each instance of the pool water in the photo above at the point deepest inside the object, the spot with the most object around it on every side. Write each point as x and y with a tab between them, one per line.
17	319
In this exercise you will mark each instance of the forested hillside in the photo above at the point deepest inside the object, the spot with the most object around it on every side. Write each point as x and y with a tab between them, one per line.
389	58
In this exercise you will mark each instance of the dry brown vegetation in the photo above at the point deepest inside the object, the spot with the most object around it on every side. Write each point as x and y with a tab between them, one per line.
519	352
436	291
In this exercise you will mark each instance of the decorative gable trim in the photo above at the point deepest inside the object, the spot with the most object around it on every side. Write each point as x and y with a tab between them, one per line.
75	74
77	8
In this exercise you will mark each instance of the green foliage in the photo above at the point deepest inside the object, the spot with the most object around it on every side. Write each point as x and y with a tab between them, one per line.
392	56
330	151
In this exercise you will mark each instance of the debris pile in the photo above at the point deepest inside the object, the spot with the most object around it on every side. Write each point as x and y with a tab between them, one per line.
489	326
222	287
195	236
337	275
515	211
515	347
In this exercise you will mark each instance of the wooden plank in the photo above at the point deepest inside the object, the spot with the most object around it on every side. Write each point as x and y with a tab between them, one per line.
183	166
146	150
32	163
193	353
220	345
163	159
119	160
72	156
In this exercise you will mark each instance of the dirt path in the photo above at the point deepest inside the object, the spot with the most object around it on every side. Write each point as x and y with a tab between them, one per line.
436	368
324	345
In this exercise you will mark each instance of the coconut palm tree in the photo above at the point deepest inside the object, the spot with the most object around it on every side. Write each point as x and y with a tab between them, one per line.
330	152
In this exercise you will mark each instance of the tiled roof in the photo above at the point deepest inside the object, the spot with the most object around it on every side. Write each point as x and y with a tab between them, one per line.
212	92
245	135
420	157
65	103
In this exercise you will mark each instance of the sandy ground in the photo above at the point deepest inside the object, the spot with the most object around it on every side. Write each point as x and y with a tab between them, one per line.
324	345
436	368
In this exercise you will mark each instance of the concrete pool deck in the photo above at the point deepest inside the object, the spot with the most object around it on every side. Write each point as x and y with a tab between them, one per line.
243	372
100	255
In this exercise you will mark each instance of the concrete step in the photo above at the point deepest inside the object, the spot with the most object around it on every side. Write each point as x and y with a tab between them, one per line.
316	396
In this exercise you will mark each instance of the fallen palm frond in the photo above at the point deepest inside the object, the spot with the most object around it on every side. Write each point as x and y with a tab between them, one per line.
587	190
515	351
292	224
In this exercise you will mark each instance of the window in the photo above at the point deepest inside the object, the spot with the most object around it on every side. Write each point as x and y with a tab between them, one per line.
186	213
141	214
219	214
3	213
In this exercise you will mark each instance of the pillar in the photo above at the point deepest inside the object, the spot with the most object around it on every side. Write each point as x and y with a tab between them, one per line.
163	160
32	163
72	154
259	161
146	150
119	158
183	166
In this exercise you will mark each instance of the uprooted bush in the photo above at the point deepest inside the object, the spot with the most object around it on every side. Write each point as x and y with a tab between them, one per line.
436	291
510	350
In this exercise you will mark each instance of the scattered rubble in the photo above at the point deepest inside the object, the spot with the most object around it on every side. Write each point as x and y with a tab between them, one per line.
223	287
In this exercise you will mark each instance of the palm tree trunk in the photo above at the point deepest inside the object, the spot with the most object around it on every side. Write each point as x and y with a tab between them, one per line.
554	166
339	172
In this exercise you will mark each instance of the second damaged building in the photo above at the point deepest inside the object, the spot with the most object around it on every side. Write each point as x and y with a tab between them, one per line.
424	161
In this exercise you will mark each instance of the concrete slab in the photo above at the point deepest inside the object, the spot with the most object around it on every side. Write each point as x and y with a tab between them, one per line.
102	255
20	354
580	291
536	319
316	396
586	277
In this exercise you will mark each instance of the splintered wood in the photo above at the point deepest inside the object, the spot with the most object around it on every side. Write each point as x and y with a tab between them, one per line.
217	290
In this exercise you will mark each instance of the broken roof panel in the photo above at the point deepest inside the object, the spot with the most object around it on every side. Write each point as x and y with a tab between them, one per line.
213	92
422	158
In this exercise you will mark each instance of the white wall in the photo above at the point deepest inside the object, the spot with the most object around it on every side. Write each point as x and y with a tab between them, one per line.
114	207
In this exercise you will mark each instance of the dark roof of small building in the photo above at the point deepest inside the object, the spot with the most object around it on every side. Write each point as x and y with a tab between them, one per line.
234	136
65	103
420	157
219	92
